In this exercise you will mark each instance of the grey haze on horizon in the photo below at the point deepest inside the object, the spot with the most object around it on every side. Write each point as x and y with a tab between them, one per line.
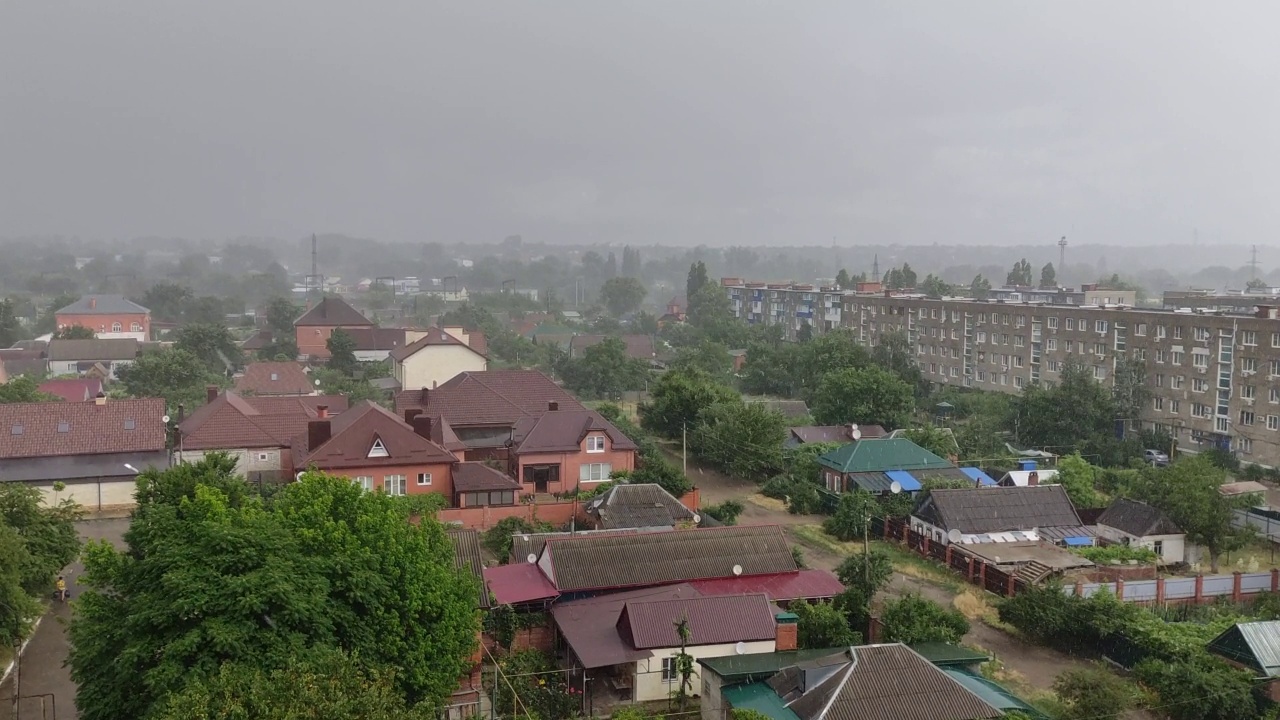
647	121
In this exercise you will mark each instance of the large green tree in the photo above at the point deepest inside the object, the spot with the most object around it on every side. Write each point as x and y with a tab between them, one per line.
342	352
213	578
622	295
1188	492
1048	276
742	439
1020	274
213	344
1078	477
10	328
823	625
23	389
1075	410
913	619
868	396
36	542
604	370
167	301
172	373
677	398
1093	693
73	332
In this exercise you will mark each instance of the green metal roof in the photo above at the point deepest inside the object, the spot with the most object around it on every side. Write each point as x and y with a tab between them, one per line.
992	693
759	697
1252	644
746	668
882	454
946	654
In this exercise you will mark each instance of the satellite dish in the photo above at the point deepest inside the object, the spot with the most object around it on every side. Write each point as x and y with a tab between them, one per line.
996	559
954	535
737	569
164	418
532	558
317	382
697	518
299	475
895	487
855	432
740	648
524	538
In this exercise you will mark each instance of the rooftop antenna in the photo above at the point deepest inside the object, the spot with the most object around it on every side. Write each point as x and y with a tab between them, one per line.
1062	258
875	267
314	271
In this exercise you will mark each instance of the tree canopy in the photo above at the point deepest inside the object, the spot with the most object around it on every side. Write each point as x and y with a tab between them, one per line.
22	389
1187	491
36	542
867	396
913	619
342	352
214	577
213	344
604	370
677	398
172	373
741	439
622	295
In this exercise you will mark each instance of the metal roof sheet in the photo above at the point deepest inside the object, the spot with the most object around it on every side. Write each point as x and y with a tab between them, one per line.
882	454
715	620
783	587
977	474
466	557
518	583
904	480
103	305
1252	644
589	626
999	509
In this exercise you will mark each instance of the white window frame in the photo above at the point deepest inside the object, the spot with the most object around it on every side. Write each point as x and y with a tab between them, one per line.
364	481
594	472
595	443
424	479
393	485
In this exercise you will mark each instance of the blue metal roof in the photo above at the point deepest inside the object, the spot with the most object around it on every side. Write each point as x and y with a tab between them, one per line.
976	474
903	478
1078	541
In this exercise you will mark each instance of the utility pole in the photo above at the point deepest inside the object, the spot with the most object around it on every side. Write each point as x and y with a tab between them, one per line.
866	549
314	272
1062	258
875	268
684	448
1253	263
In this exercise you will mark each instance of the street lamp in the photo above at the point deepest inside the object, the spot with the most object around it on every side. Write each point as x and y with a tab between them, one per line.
131	469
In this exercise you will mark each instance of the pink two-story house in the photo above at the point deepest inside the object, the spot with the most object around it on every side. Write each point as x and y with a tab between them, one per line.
568	450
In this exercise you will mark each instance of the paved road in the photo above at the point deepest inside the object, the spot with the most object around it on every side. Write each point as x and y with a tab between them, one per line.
42	671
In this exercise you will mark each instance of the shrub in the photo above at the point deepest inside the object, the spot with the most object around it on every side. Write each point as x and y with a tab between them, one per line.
853	512
726	512
801	496
1201	688
1108	554
1092	693
822	625
497	539
914	619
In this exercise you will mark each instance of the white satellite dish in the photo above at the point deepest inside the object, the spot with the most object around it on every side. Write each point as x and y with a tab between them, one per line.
164	418
740	648
697	518
895	487
525	538
300	474
532	558
855	433
954	535
737	569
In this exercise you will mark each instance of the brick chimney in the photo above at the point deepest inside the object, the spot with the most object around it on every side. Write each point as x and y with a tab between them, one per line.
100	399
1033	479
553	406
410	414
322	411
318	431
422	425
210	393
423	399
788	633
93	303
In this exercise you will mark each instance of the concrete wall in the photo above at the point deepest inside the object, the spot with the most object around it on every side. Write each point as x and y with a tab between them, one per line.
1173	547
436	364
92	494
649	684
247	459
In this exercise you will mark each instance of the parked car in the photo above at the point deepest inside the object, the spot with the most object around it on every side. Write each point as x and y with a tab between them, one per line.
1155	457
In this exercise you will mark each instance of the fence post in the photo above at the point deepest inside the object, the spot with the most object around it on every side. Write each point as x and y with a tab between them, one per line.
906	533
969	573
1235	586
1275	580
1199	589
924	547
982	574
1010	589
1079	587
886	531
1120	588
1159	591
948	555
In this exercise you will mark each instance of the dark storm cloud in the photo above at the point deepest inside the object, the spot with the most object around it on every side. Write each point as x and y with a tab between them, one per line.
717	122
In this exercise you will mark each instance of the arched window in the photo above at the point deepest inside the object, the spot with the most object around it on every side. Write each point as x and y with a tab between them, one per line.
135	327
115	327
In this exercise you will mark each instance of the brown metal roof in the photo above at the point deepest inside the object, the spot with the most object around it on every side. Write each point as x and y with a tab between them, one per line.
585	562
353	434
275	378
564	431
488	397
377	338
886	682
478	477
997	509
711	621
14	362
94	349
332	312
434	336
525	544
590	626
231	421
834	433
639	347
466	556
1137	518
52	429
639	505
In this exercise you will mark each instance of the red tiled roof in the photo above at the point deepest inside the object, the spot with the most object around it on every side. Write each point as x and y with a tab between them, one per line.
353	434
232	421
256	341
434	336
518	583
639	347
73	389
30	430
275	378
478	342
488	397
377	338
783	587
478	477
564	430
332	312
711	621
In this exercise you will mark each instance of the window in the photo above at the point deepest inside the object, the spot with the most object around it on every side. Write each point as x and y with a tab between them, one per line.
364	481
982	317
1249	365
1159	380
1199	385
1176	381
1055	366
378	450
1071	323
1246	445
1220	425
1246	417
1099	372
1200	359
1140	329
1019	340
1274	369
1159	356
1200	410
595	443
116	327
1052	323
1275	339
1079	347
1053	343
1018	381
1157	547
1202	333
955	353
1247	392
1100	326
982	336
1273	422
393	484
669	673
1017	361
982	376
424	478
1274	395
1248	337
1157	403
1175	406
594	472
263	457
1099	349
1176	357
1160	332
135	327
955	372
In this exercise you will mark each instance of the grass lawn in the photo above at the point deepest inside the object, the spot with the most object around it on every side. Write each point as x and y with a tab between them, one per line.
904	561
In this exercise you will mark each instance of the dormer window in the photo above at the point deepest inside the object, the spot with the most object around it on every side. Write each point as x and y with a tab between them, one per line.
595	443
275	376
378	450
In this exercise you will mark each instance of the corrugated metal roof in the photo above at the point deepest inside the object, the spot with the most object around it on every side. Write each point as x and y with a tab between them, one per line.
466	556
997	509
714	620
590	626
759	697
881	454
1252	644
586	562
518	583
977	474
783	587
638	505
332	312
488	397
1137	518
476	476
760	666
993	694
103	305
944	654
904	479
525	544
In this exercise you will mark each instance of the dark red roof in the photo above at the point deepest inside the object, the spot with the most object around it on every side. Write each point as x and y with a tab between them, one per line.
73	389
433	336
232	421
22	362
477	341
377	338
275	378
639	347
353	435
783	587
478	477
488	397
332	312
590	626
51	429
256	341
518	583
564	430
716	620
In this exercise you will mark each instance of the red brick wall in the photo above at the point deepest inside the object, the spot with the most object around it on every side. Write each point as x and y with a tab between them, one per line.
102	323
571	466
441	477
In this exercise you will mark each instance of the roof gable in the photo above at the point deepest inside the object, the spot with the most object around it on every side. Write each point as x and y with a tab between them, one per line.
103	305
564	431
356	436
232	421
1137	518
488	397
1254	645
996	509
332	312
640	505
435	337
713	620
275	378
881	454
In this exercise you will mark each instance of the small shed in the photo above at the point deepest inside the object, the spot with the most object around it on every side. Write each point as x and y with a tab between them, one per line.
1137	524
1254	646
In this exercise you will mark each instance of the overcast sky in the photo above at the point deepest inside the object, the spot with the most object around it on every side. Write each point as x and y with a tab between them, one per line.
674	122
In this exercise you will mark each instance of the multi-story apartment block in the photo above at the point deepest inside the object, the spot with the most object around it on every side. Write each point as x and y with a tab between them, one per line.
1214	376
